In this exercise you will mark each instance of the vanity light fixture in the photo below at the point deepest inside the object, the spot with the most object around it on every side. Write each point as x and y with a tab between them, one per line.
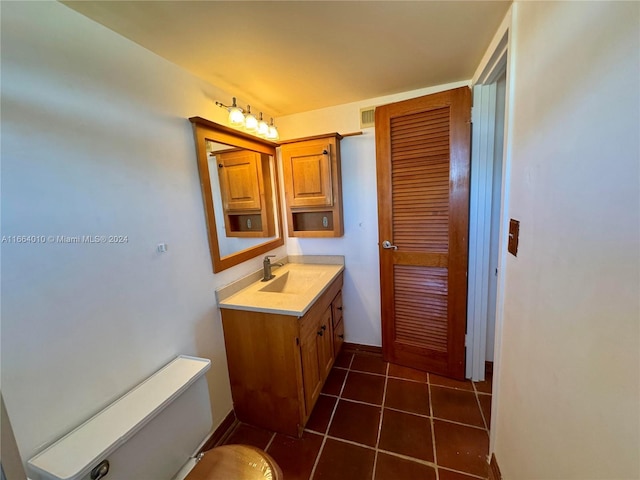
249	122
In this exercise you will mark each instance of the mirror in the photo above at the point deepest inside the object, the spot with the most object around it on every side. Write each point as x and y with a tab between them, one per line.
239	182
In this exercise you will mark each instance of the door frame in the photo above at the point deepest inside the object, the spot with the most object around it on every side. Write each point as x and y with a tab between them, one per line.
497	58
480	207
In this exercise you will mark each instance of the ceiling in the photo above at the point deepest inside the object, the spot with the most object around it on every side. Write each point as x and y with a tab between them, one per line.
293	56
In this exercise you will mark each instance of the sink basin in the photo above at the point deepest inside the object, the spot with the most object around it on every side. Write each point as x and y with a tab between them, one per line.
292	292
292	282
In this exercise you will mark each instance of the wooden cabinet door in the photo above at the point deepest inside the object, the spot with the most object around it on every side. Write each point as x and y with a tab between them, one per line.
338	338
422	149
325	343
239	173
311	375
307	174
336	306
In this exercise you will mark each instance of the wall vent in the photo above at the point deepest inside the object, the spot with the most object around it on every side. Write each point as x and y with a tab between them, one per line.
367	117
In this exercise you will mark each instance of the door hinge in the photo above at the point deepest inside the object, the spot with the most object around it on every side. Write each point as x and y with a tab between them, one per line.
473	114
297	341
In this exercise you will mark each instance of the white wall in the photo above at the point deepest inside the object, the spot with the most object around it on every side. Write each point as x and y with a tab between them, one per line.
568	398
96	141
359	245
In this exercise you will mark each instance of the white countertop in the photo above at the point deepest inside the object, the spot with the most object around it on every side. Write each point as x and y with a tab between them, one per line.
305	282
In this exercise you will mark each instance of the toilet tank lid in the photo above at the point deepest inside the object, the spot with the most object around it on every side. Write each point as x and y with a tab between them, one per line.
75	454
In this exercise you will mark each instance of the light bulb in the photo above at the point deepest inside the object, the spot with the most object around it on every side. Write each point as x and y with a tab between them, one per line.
250	121
273	132
236	117
263	127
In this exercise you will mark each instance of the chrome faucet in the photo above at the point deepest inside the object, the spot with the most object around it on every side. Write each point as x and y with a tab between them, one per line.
266	265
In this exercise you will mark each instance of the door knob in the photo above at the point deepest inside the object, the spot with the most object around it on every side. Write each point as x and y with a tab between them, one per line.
387	244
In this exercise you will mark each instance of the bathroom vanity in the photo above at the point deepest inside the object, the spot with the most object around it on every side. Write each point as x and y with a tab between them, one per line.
282	337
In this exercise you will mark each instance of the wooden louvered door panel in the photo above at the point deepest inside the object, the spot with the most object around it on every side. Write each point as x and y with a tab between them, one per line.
422	150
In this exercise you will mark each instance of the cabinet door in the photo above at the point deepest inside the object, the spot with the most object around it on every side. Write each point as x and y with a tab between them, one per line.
325	343
336	305
307	174
239	173
338	338
338	325
311	378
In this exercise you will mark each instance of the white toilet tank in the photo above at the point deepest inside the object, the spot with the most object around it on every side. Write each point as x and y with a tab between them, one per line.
147	434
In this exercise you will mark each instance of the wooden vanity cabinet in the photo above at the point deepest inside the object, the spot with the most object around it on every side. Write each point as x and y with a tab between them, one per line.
313	186
278	363
245	188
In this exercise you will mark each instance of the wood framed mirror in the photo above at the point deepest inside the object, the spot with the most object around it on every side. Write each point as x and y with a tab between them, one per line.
239	182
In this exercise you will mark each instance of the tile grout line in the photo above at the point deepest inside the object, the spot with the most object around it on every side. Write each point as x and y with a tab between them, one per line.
459	423
433	428
472	389
384	396
351	442
326	432
407	457
421	415
471	475
315	464
270	441
484	420
394	454
417	381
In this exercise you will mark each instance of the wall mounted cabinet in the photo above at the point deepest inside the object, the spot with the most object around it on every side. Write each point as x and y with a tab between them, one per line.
313	186
246	193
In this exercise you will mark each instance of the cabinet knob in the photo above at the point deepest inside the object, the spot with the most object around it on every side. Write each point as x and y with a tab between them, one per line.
325	152
320	332
340	308
323	327
341	336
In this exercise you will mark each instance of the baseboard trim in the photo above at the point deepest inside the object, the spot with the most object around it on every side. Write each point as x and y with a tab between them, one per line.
488	367
494	470
359	348
220	434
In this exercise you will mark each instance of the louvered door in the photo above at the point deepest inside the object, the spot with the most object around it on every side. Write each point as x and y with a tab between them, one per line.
422	149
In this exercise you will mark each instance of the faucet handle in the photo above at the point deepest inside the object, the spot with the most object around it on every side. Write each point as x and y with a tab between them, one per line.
266	258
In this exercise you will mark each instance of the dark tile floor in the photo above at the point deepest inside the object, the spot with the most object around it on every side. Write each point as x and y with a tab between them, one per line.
379	421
